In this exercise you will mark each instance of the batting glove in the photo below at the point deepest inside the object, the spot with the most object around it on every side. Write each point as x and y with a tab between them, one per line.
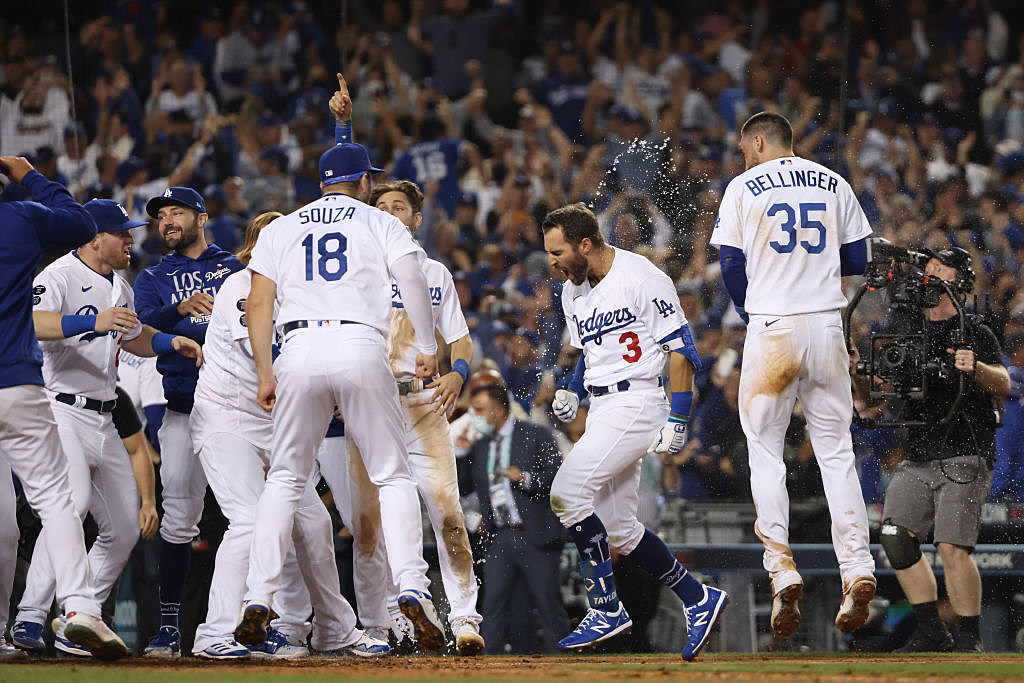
670	438
565	405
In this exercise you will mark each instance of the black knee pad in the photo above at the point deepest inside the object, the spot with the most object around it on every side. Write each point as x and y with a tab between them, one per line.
901	547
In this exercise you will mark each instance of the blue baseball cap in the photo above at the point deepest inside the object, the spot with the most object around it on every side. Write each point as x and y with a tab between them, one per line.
345	162
110	216
182	196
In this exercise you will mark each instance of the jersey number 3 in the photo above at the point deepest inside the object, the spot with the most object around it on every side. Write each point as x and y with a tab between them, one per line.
332	263
789	227
632	343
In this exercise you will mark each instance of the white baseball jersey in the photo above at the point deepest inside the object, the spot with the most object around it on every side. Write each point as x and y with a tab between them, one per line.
228	375
619	322
84	364
141	381
447	314
328	260
789	216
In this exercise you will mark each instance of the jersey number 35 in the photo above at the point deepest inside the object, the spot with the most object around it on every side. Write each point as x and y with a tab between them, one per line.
789	227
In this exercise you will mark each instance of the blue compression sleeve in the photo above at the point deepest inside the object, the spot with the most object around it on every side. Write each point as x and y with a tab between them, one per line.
162	343
72	325
576	383
462	367
853	258
682	404
343	132
734	273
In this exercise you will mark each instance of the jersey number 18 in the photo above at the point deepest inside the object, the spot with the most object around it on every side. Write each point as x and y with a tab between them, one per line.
328	253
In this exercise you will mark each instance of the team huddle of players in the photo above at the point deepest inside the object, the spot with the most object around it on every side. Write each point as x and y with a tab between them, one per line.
313	351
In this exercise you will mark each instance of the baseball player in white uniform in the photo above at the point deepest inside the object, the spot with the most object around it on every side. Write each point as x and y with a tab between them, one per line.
329	267
431	456
83	311
623	313
233	435
788	229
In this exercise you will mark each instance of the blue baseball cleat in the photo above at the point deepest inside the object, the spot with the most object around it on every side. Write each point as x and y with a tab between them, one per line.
165	644
598	625
700	618
419	609
28	636
277	646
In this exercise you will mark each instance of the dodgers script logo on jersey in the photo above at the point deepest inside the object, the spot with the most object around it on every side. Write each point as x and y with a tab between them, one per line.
600	323
396	296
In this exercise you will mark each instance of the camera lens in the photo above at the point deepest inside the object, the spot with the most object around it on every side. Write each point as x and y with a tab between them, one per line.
894	356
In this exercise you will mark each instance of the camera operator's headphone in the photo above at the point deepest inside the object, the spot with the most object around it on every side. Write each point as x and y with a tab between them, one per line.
958	258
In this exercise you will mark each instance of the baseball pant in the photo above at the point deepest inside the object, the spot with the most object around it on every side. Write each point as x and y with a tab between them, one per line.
236	469
28	434
319	369
601	474
8	537
341	465
184	483
432	463
102	482
802	357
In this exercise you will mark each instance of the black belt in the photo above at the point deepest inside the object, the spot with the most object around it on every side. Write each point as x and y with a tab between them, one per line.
89	403
613	388
302	324
412	386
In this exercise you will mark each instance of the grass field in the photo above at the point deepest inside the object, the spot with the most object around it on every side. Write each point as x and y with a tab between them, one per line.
780	668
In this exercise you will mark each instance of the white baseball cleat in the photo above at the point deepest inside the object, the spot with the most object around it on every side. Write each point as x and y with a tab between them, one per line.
853	610
468	641
224	650
91	633
786	611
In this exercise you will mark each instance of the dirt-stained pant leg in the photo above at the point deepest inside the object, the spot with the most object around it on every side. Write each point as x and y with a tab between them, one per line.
358	503
771	363
827	401
432	461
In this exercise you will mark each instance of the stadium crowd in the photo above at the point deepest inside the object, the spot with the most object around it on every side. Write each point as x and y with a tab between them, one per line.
501	113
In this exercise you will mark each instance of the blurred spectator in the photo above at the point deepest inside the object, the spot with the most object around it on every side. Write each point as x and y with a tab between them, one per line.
37	114
77	162
512	466
255	57
435	158
1008	476
456	37
180	87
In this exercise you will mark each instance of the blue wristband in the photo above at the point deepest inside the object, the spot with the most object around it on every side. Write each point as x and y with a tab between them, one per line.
162	343
462	367
682	403
72	325
343	132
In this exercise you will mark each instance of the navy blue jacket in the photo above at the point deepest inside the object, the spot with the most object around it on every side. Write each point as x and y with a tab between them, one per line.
157	292
27	231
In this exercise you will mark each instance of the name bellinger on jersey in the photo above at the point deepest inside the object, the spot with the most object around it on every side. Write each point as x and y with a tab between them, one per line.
789	217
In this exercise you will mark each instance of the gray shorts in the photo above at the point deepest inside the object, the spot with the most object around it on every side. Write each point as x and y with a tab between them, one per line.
939	500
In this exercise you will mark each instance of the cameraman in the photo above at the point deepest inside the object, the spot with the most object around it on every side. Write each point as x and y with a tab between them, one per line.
936	493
